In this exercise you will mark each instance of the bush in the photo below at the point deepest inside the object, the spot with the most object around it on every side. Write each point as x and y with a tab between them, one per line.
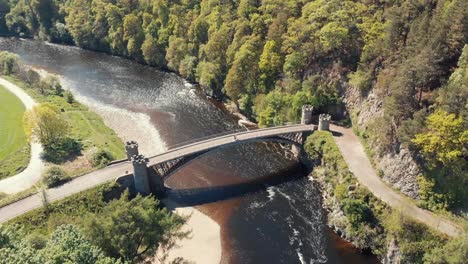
357	211
69	97
101	158
54	176
65	149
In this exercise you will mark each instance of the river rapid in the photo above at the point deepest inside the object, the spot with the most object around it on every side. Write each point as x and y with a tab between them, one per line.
282	221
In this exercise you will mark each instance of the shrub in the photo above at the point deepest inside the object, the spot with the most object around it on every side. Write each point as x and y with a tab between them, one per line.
61	151
69	97
101	158
357	211
341	191
54	176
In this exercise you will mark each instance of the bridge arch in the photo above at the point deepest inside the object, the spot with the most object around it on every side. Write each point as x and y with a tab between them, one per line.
167	169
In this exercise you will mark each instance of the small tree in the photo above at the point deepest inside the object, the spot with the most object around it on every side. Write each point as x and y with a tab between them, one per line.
101	158
69	97
45	124
135	229
445	140
54	176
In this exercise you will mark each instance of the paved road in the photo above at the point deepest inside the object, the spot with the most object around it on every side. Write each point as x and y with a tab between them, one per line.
360	166
29	176
115	171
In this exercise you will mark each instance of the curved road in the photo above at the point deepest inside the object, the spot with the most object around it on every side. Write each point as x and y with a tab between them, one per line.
358	163
29	176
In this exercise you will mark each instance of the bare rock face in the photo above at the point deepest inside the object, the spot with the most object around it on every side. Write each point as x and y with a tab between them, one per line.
393	253
399	169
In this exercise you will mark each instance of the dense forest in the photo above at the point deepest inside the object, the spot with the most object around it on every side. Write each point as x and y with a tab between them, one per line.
270	57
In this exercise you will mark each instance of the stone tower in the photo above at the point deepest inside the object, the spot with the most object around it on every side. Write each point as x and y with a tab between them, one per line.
306	118
140	174
324	122
131	147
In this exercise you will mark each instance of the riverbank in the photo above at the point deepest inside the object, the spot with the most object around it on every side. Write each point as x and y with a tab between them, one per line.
204	243
362	218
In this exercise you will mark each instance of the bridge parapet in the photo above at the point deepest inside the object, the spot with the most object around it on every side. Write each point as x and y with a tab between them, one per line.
140	174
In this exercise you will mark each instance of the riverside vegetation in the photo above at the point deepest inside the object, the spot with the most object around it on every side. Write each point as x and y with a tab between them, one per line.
271	57
67	231
367	221
101	225
75	140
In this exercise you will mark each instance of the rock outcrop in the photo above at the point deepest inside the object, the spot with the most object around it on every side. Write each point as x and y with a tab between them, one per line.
398	169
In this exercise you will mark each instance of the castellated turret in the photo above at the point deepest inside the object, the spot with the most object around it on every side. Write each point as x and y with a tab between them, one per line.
324	122
140	174
306	118
131	147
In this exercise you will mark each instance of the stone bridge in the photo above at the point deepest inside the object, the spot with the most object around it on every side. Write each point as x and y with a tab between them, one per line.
150	174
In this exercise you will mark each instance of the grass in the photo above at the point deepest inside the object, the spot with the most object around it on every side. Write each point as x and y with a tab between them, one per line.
71	210
14	148
86	126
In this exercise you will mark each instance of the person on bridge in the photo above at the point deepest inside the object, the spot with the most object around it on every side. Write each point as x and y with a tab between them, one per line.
235	138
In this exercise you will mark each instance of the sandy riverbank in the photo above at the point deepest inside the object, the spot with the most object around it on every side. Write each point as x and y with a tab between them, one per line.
32	174
204	244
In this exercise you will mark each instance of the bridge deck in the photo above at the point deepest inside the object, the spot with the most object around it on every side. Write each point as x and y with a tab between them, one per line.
226	140
115	171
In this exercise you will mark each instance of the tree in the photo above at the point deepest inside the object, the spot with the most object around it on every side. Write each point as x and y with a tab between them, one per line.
68	245
135	229
454	252
53	176
9	63
445	139
45	124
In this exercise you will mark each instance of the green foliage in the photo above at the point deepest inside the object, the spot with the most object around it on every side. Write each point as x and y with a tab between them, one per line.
454	252
357	211
54	176
414	239
445	139
101	158
134	229
62	150
9	63
66	245
69	97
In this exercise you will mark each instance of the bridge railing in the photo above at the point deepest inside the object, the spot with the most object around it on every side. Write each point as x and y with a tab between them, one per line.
208	137
212	136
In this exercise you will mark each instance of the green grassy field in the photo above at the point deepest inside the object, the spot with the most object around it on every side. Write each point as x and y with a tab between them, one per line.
86	126
14	149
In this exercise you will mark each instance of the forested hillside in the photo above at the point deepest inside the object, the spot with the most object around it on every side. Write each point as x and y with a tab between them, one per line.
272	56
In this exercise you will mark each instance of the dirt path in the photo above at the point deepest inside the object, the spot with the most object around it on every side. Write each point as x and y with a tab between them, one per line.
32	174
358	163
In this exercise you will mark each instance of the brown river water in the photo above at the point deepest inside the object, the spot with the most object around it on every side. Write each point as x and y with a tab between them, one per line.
277	215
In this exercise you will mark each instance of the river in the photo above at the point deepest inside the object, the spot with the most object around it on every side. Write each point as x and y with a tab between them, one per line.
281	222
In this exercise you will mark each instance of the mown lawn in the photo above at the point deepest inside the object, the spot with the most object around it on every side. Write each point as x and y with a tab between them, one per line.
14	148
86	126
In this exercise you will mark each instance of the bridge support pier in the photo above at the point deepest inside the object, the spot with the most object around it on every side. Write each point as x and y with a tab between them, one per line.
140	174
324	122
